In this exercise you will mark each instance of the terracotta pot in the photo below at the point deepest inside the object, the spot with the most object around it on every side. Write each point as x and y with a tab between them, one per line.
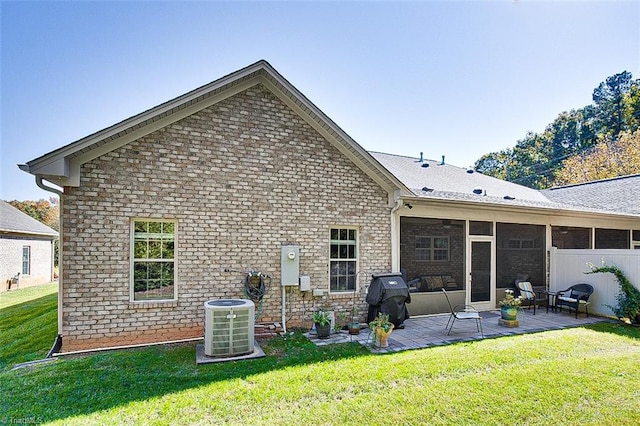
354	328
382	336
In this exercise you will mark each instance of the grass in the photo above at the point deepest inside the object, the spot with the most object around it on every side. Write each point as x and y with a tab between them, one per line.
575	376
28	323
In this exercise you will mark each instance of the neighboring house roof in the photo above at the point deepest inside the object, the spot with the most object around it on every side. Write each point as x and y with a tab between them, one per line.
13	221
620	194
62	166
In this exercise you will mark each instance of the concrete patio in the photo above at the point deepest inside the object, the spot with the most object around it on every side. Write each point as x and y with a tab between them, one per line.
428	331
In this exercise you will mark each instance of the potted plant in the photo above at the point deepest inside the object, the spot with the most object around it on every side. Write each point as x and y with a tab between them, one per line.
509	306
628	307
381	328
322	321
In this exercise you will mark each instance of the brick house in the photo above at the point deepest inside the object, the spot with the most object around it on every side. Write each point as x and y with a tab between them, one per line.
26	249
172	207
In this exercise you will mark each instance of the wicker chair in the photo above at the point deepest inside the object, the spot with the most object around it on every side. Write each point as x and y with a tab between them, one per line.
575	296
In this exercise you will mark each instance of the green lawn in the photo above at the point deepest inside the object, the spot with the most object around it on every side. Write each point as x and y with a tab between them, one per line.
28	324
576	376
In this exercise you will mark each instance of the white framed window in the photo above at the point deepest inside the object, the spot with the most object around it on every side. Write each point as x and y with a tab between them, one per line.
432	249
153	268
343	259
26	260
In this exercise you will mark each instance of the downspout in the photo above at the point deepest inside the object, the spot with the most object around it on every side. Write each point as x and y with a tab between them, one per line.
395	242
58	342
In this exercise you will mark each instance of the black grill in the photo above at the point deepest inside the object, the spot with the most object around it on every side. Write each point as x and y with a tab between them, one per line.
389	294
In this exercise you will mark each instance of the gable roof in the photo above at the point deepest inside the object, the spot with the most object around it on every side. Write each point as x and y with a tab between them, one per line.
62	166
13	221
619	194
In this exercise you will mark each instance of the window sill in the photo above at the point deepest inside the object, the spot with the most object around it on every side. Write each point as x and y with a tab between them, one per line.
153	304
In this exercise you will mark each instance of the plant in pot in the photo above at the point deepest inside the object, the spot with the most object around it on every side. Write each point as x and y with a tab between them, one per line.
509	306
322	321
382	328
628	307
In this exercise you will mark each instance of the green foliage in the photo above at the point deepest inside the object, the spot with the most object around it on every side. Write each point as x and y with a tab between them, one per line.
536	160
321	317
509	300
41	210
381	321
603	161
629	296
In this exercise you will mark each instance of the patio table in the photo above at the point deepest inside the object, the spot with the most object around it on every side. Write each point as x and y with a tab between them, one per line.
551	300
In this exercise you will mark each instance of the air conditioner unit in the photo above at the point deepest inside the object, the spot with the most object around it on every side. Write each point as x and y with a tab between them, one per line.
228	327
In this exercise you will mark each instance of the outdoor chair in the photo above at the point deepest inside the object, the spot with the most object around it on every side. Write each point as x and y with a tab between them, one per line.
462	312
529	295
575	296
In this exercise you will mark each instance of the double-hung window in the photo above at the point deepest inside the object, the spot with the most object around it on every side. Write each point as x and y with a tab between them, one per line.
343	259
153	260
432	249
26	260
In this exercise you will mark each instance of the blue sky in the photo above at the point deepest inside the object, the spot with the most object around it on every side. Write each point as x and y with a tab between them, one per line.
459	79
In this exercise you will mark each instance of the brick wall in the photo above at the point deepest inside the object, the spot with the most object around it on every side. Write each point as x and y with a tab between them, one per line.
241	178
11	261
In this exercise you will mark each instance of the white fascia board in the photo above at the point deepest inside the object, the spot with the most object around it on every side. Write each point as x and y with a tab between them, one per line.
57	166
461	210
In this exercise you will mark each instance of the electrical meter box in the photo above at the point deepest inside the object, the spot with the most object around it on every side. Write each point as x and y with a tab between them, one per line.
290	265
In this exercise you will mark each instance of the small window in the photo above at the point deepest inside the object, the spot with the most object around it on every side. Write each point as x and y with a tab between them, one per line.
343	260
153	254
26	260
432	249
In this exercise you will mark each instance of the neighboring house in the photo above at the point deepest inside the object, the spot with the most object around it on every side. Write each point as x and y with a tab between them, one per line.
172	207
26	249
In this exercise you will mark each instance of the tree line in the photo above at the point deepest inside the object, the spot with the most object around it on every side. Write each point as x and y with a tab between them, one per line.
598	141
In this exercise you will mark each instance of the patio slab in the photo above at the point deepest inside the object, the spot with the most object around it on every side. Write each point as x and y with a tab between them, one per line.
428	331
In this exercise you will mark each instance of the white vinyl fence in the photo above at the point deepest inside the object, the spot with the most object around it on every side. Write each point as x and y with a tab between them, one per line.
568	267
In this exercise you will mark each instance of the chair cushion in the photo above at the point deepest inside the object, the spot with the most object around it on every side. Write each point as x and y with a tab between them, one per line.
526	290
568	299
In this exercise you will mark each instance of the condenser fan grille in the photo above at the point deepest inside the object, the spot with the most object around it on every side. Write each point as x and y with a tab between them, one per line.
229	327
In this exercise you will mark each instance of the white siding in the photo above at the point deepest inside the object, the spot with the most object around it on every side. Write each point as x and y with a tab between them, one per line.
568	267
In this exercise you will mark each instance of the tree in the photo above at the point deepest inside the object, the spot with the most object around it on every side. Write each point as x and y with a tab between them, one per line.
605	160
537	159
43	211
609	99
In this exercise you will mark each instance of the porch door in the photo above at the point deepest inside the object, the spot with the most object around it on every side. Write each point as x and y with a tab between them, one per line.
482	287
